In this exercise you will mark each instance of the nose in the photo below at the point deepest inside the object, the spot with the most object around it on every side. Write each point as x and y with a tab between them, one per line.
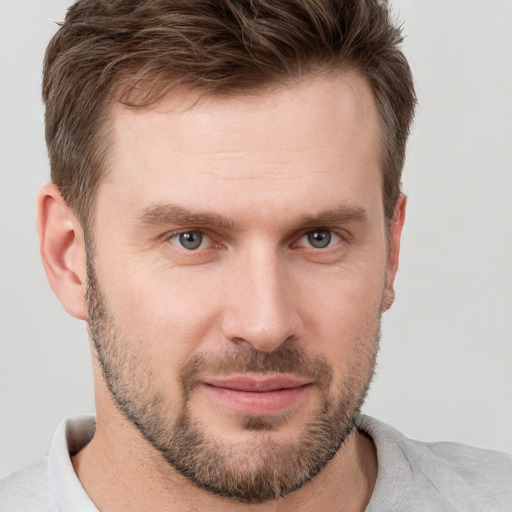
260	309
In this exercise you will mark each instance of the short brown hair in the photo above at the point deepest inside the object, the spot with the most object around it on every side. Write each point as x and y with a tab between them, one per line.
135	51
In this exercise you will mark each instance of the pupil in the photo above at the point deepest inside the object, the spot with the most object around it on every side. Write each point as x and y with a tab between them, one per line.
191	240
319	239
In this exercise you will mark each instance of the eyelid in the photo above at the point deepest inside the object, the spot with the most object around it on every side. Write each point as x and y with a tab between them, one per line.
341	234
173	235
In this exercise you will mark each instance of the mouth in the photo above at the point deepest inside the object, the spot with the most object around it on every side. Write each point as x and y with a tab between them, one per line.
257	394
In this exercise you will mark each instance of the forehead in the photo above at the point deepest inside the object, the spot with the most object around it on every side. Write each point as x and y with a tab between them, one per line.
312	137
327	100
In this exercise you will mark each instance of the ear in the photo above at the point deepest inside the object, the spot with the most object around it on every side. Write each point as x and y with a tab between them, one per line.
61	243
395	233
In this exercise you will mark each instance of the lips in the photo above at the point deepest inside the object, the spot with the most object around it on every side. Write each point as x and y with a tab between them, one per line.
255	394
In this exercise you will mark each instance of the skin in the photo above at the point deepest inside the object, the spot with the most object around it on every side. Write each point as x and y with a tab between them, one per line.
270	165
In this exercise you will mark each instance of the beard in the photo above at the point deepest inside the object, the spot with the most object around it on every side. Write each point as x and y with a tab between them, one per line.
261	469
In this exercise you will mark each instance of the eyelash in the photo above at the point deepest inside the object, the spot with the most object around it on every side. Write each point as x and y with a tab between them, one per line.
332	234
175	236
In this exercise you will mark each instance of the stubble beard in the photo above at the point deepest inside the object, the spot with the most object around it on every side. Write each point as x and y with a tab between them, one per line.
259	471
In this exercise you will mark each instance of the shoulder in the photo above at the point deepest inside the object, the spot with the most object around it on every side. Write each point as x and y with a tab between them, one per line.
51	484
27	490
452	476
463	472
466	460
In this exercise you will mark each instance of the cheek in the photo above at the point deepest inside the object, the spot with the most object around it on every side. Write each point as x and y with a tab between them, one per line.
342	316
164	314
174	311
345	295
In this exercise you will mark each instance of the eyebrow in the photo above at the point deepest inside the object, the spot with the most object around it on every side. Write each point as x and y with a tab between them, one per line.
158	215
343	215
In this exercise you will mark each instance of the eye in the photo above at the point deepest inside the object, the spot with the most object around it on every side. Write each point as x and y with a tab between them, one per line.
319	239
190	240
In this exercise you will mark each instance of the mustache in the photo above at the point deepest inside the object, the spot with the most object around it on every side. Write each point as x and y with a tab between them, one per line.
285	359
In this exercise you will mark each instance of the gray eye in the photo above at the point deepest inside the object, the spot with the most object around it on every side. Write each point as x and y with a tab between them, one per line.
191	240
319	239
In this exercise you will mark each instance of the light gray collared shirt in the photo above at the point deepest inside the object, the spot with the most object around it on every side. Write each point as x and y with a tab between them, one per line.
412	476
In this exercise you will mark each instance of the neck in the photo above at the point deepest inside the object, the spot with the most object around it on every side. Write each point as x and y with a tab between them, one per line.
121	472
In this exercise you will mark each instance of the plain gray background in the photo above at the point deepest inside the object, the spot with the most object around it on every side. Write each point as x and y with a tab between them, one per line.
445	368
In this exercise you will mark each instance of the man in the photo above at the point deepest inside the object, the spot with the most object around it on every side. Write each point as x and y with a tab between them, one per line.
225	214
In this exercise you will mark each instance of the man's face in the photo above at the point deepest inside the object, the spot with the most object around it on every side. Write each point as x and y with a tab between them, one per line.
237	277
